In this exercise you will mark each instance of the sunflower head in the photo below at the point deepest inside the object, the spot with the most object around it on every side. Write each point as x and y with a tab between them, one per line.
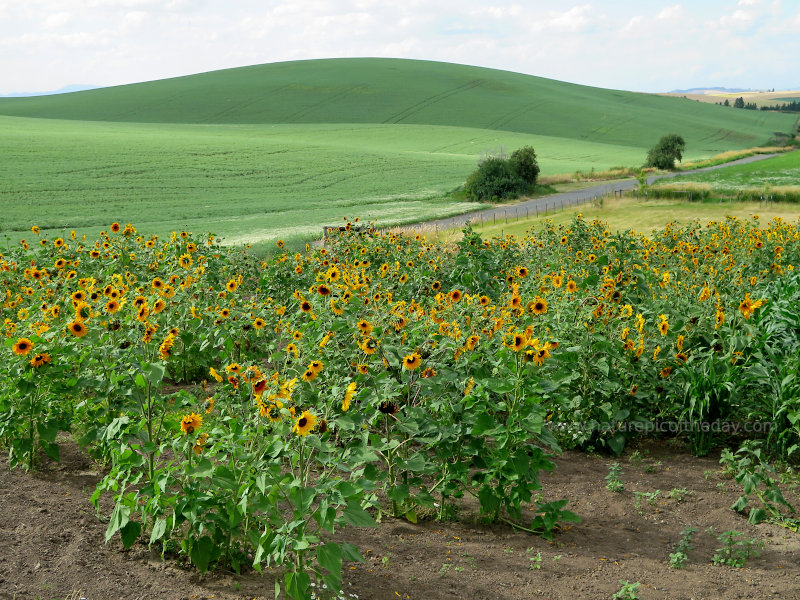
305	423
412	361
22	347
191	423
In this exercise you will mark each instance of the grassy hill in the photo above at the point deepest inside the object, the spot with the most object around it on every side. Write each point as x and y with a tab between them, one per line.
399	91
279	150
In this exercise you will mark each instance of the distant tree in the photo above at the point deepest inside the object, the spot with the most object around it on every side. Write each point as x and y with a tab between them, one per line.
523	161
495	179
738	103
664	154
726	103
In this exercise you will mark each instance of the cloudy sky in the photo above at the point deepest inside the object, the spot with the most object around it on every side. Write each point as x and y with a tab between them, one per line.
642	45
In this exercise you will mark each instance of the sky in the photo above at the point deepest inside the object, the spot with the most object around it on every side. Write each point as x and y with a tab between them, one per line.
638	45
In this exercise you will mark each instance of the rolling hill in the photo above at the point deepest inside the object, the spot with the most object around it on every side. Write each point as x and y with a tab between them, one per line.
279	150
400	91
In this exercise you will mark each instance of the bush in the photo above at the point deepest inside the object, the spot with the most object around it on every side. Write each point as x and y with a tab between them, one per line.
498	178
668	149
523	161
494	179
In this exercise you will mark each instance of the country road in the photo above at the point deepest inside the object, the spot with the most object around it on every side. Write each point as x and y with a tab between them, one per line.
536	206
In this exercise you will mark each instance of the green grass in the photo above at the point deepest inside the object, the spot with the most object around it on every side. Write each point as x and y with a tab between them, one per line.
378	90
277	151
783	170
248	183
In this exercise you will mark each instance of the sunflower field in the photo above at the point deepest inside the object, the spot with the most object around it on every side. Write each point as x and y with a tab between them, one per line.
247	408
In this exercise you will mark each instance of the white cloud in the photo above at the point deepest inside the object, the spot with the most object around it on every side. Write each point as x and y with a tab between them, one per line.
651	46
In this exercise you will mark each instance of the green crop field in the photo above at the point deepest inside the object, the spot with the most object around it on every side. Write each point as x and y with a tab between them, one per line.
783	170
276	151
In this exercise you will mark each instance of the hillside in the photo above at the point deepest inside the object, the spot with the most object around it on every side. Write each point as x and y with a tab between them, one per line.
399	91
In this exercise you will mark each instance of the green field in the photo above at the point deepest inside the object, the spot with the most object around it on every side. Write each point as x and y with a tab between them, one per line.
783	170
278	150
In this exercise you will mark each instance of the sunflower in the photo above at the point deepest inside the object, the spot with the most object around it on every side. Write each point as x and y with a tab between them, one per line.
165	349
412	361
368	345
305	423
22	347
209	404
234	368
112	306
538	306
40	359
681	357
472	342
665	372
436	286
232	285
213	372
571	286
306	306
279	243
388	407
517	342
77	328
309	375
454	296
115	227
484	300
365	327
191	423
316	366
363	369
348	396
259	387
427	373
292	349
323	290
259	323
663	325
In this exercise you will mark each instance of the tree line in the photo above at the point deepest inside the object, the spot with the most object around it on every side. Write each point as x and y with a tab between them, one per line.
793	106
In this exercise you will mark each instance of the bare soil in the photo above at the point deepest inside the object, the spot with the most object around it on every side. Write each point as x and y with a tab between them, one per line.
51	543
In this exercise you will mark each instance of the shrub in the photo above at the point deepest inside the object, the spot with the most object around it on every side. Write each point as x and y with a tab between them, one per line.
668	149
495	178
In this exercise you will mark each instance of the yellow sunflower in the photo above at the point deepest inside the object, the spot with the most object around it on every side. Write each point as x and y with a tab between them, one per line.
191	423
348	396
304	424
22	347
412	361
77	328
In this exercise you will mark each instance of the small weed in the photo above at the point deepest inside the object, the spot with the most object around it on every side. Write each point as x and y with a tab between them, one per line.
651	468
558	557
679	494
650	497
680	557
612	479
628	591
736	549
636	458
535	560
708	473
445	569
385	559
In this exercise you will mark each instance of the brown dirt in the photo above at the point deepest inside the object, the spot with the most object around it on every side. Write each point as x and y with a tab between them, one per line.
51	544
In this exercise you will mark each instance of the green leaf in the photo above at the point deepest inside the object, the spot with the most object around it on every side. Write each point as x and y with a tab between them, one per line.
201	553
203	468
411	516
155	373
159	529
329	557
357	517
350	553
757	515
130	533
119	518
224	478
485	424
398	493
298	585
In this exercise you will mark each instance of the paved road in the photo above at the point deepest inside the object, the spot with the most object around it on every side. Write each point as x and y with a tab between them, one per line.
545	204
